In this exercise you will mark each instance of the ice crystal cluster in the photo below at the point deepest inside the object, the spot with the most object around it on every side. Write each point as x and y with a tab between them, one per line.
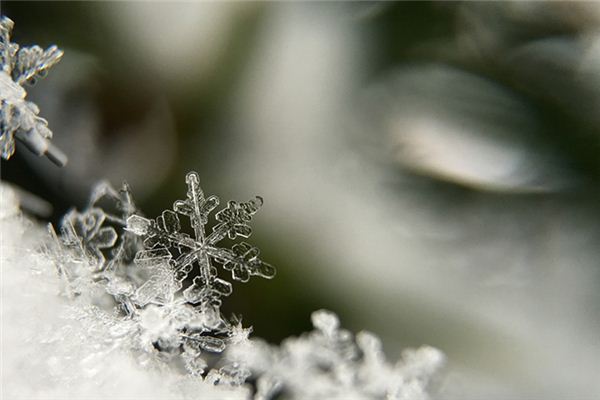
330	363
140	312
165	282
18	117
154	288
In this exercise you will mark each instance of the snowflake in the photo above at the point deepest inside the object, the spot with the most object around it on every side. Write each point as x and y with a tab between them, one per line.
331	363
166	243
169	257
143	264
98	233
18	117
95	250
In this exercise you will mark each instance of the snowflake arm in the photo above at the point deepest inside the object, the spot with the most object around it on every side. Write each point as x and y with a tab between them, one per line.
196	207
19	118
235	220
33	61
243	262
207	289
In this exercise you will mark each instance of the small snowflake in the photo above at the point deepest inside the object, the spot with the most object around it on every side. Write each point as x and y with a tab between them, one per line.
18	117
98	233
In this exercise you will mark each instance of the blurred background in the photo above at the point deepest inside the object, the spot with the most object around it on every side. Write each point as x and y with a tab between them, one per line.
430	170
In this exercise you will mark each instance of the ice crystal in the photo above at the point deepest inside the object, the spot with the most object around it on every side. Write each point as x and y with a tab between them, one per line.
165	242
331	363
19	118
52	348
146	265
170	255
99	233
167	287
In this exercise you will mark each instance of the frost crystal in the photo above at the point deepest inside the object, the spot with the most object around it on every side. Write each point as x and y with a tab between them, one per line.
171	255
18	117
147	266
99	232
166	288
165	243
329	363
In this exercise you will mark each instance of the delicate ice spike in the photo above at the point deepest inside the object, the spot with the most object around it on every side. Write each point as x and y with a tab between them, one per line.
207	343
